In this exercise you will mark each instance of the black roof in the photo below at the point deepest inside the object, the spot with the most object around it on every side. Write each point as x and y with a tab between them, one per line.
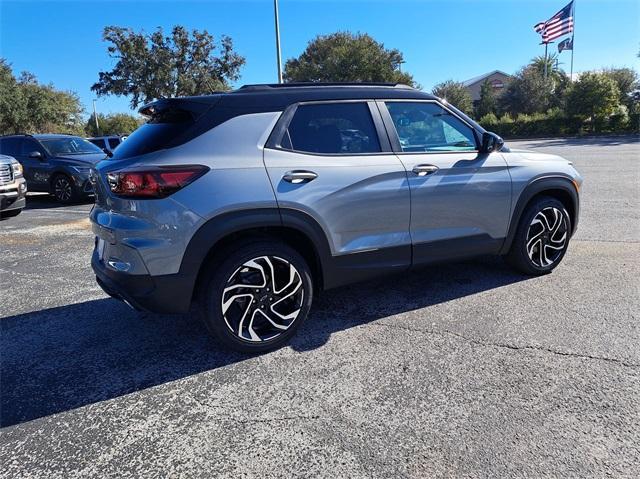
278	96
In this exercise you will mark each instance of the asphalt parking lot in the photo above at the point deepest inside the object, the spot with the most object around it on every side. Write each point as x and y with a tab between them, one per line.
466	370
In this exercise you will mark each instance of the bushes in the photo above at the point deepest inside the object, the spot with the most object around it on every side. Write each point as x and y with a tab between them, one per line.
554	123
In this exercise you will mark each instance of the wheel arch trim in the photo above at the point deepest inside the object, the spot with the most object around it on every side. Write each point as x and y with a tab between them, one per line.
212	232
536	187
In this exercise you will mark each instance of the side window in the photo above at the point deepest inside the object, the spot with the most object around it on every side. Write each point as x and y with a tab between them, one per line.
99	142
333	128
10	146
113	142
29	146
427	127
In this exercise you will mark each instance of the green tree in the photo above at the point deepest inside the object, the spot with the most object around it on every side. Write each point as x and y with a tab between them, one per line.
594	96
528	92
627	81
12	105
157	66
553	70
27	106
112	124
456	94
347	57
487	103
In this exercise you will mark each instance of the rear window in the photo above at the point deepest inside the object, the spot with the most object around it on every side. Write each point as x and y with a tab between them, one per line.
170	124
332	128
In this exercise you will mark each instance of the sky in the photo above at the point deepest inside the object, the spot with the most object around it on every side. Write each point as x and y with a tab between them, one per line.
61	41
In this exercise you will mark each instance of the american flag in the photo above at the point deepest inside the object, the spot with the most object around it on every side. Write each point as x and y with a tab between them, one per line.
560	24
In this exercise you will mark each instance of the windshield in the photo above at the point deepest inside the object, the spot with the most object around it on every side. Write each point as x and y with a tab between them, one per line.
72	145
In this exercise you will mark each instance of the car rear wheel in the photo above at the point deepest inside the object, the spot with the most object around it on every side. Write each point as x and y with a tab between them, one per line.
542	237
257	296
63	189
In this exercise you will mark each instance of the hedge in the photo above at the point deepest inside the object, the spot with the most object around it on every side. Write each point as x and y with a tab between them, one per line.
525	126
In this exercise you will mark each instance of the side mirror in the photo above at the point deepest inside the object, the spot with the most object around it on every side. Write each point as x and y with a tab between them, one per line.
36	154
491	142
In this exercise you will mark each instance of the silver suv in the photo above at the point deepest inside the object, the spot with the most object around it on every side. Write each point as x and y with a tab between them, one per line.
247	203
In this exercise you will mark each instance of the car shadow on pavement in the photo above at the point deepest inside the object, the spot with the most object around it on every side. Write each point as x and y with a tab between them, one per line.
63	358
41	201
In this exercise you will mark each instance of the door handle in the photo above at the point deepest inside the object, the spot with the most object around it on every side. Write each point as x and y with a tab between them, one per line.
299	176
424	170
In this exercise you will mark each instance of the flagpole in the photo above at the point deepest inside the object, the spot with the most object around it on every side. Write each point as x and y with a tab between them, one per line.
546	45
279	58
573	35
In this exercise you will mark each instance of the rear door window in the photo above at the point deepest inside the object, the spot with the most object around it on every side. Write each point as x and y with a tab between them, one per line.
10	146
29	146
332	128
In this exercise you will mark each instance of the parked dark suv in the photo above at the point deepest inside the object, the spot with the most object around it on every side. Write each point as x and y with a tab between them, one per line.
249	202
56	164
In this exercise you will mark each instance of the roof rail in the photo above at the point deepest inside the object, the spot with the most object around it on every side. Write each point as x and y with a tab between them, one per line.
269	86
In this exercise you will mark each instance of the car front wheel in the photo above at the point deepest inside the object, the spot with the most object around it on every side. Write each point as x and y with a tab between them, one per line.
257	296
63	189
542	237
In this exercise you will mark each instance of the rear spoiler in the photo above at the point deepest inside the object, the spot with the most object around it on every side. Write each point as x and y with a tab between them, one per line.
195	106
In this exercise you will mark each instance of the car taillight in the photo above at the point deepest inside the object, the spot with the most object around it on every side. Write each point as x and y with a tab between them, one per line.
153	182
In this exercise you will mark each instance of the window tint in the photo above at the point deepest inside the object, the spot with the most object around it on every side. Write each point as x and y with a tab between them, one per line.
343	128
99	142
157	134
424	126
10	146
69	145
113	142
29	146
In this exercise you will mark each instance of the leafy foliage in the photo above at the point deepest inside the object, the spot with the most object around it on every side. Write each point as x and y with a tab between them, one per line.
528	92
488	102
346	57
456	94
594	95
27	106
157	66
555	123
113	124
628	82
553	71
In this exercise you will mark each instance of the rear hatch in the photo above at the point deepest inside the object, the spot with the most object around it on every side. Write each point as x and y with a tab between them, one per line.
171	123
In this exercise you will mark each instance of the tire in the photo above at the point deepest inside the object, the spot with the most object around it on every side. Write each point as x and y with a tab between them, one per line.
10	214
242	318
542	237
63	189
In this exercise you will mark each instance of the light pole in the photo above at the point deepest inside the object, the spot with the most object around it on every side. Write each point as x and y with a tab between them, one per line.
95	117
275	9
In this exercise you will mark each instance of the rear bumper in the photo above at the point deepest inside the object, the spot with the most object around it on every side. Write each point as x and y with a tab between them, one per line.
168	294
